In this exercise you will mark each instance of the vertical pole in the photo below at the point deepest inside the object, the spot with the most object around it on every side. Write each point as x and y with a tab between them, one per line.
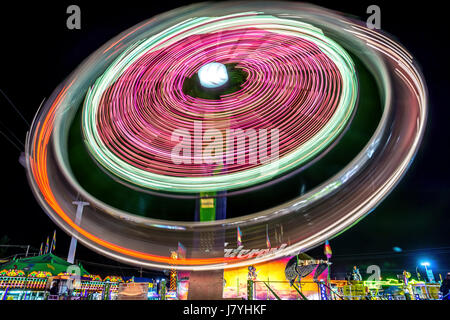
328	282
28	249
25	287
5	294
206	284
163	289
249	289
73	242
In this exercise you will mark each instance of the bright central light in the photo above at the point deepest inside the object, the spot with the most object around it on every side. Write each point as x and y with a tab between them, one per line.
425	264
213	75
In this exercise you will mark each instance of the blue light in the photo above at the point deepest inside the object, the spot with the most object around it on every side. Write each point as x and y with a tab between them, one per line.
397	249
425	264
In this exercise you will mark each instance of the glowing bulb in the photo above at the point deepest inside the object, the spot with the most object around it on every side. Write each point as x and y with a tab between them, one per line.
213	75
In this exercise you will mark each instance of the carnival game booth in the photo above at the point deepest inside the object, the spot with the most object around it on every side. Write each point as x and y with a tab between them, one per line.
110	287
155	289
50	277
27	278
88	287
16	285
426	291
389	289
31	278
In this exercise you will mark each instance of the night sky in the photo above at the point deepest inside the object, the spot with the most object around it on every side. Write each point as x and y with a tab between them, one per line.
38	52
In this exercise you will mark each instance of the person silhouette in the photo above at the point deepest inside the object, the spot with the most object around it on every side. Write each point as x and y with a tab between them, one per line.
355	274
445	287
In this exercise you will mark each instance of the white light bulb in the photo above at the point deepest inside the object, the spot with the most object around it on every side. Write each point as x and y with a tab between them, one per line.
213	75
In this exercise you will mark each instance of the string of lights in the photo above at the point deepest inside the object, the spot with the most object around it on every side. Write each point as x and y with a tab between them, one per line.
299	82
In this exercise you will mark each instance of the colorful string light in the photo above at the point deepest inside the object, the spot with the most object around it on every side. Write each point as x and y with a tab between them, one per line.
299	82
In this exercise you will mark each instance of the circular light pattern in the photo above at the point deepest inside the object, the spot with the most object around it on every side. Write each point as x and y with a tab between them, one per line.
213	75
305	221
301	87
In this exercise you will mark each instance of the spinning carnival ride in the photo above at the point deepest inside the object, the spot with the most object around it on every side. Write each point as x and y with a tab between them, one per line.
331	113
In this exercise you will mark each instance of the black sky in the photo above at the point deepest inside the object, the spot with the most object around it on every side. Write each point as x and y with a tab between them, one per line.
38	52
